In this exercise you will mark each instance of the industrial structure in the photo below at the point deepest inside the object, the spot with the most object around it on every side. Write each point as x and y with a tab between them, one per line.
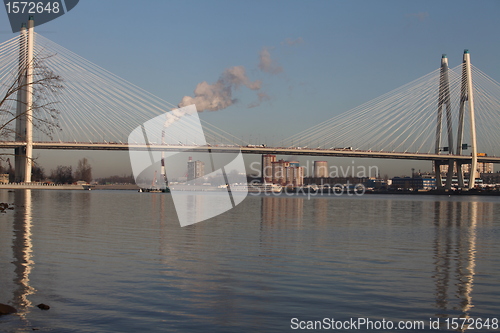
281	172
320	169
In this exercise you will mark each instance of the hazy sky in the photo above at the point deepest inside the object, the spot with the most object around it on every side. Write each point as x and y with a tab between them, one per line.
314	58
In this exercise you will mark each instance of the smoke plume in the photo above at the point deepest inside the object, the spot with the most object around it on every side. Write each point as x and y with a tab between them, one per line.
262	97
266	64
219	95
293	42
176	114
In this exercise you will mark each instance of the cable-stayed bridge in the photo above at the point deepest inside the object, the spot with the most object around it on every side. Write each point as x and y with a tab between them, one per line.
431	118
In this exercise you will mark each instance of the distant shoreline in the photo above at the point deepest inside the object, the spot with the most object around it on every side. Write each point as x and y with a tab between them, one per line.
472	192
41	186
133	187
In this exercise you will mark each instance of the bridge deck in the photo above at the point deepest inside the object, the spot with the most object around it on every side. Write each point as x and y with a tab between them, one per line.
250	150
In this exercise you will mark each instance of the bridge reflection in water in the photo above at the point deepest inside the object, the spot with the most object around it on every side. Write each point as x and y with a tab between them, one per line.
455	251
453	248
22	250
447	259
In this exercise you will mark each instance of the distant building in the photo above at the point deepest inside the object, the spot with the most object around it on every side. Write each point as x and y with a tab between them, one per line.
320	169
196	169
375	183
282	172
417	183
267	168
294	175
279	172
491	178
454	181
481	167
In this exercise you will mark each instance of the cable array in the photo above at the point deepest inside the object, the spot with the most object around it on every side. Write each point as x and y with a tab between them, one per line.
94	105
9	63
98	106
405	119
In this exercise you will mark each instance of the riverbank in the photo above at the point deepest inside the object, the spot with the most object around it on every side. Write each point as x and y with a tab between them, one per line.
43	186
437	192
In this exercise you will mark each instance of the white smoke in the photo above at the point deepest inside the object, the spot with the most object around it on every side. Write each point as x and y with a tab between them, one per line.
292	42
266	64
219	95
262	98
176	114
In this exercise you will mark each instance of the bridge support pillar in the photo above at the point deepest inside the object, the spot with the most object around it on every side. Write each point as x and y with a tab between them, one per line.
24	111
449	175
467	94
437	172
444	101
460	175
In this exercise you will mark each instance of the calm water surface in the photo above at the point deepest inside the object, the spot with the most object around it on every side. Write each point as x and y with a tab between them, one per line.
118	261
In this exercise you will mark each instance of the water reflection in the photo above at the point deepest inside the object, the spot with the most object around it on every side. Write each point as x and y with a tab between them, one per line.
456	225
277	211
22	249
454	247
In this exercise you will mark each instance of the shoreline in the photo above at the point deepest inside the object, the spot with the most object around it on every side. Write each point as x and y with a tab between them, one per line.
473	192
133	187
41	186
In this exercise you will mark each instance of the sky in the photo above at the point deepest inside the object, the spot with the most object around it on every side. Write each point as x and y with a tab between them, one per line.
311	59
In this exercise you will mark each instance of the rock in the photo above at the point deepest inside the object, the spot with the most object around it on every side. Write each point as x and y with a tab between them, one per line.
43	306
4	206
6	309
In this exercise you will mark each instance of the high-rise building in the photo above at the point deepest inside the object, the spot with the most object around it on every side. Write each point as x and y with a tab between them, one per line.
294	175
279	172
299	176
267	168
196	169
320	169
481	168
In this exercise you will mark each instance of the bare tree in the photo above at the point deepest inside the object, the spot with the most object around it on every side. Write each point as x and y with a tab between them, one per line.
62	175
45	83
83	170
36	80
38	173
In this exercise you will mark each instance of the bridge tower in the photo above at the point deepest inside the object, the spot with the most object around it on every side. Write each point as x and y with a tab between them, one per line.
24	111
467	95
444	101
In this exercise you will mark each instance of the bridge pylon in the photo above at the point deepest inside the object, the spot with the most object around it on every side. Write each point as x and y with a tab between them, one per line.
467	95
444	101
24	110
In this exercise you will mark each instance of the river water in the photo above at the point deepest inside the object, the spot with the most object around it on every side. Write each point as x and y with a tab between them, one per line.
118	261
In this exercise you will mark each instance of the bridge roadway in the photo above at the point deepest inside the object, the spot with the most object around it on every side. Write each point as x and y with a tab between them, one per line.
249	150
